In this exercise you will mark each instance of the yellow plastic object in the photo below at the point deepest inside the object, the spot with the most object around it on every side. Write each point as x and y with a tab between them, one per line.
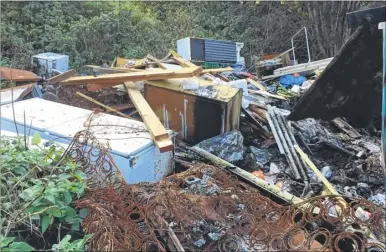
122	62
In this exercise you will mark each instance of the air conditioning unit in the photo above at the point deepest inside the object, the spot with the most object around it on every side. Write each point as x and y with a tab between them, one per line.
45	64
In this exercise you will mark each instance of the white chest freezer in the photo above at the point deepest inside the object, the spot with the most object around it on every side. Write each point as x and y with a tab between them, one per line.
132	147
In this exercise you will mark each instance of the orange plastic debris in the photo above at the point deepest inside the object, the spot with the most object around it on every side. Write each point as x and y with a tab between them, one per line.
259	174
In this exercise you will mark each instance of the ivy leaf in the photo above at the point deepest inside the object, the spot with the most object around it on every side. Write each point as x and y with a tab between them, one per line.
79	175
56	212
66	239
20	246
6	240
19	170
46	221
75	226
67	197
50	198
83	213
70	212
36	139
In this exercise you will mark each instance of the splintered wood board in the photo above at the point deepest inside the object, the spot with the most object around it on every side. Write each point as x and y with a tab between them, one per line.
153	124
257	84
119	78
61	77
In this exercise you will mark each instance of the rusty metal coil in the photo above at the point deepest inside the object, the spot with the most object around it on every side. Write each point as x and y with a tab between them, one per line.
319	240
229	243
375	247
260	233
276	243
344	239
133	241
333	205
296	239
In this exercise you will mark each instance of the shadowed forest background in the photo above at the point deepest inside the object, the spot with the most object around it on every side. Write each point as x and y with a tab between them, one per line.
96	32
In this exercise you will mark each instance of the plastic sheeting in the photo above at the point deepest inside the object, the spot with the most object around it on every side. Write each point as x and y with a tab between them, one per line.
228	146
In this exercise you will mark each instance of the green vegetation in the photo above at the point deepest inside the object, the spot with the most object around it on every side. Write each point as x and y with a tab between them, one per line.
38	188
96	32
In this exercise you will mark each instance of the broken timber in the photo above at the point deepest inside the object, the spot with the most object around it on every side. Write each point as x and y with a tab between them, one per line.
257	84
153	124
61	77
104	106
345	127
218	70
118	78
266	94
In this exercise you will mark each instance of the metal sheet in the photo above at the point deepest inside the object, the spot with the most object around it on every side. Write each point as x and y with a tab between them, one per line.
197	47
220	51
350	86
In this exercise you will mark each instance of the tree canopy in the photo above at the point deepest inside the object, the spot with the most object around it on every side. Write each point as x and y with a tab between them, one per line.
96	32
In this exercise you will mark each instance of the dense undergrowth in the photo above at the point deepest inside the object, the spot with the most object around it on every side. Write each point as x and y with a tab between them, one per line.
38	187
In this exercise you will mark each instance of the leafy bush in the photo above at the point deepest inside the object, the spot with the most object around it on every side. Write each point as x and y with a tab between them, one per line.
38	187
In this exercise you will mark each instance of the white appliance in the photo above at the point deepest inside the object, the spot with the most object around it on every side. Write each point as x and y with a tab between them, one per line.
132	147
47	63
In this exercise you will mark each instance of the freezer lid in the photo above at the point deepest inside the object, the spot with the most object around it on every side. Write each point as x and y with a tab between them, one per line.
124	136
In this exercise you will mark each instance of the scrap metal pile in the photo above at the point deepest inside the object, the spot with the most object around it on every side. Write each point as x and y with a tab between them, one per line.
208	208
205	208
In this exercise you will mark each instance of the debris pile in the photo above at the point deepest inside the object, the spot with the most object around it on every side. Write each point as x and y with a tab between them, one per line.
249	178
205	208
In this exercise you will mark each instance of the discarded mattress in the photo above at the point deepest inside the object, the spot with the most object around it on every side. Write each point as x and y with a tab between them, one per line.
131	146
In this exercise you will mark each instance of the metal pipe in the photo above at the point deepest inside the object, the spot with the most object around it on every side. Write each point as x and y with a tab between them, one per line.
287	150
308	46
275	134
292	139
291	142
383	27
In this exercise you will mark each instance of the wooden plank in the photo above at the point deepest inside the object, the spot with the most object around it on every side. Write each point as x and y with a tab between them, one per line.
121	107
257	84
103	106
113	69
261	112
60	77
217	70
266	94
183	62
153	124
119	78
345	127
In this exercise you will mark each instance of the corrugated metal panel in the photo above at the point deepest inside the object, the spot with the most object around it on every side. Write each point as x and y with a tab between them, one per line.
220	51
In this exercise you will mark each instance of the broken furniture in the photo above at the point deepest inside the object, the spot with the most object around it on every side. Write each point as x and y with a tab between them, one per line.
131	146
197	114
